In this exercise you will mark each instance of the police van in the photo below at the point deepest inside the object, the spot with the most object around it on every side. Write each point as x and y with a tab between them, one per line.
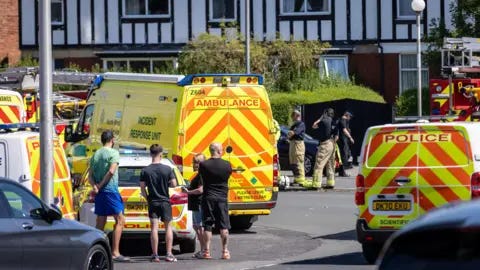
185	114
409	169
20	161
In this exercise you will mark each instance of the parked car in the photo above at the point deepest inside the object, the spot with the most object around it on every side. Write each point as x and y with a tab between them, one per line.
311	146
137	223
35	236
445	238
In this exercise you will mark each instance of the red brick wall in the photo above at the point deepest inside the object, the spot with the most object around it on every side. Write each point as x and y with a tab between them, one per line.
9	31
367	70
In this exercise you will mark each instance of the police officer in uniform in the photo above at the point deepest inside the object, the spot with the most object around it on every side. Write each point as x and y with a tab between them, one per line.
326	150
297	147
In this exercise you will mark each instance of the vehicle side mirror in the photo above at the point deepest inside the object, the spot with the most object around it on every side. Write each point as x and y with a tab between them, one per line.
71	136
53	213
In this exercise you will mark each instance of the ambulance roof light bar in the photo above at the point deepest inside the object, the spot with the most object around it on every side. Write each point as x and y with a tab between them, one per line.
417	119
120	76
189	79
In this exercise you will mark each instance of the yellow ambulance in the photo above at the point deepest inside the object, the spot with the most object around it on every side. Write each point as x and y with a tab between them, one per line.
185	114
409	169
20	161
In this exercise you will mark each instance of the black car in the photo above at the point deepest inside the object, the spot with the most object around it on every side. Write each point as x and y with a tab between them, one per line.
446	238
311	146
35	236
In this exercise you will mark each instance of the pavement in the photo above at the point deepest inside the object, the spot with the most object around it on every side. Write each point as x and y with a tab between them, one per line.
306	230
346	184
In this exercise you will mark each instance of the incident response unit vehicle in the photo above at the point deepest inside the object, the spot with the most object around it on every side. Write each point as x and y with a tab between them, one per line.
137	223
185	114
20	161
409	169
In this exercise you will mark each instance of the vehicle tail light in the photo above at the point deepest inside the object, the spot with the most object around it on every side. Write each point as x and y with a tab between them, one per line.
275	170
475	185
178	160
360	192
59	129
180	198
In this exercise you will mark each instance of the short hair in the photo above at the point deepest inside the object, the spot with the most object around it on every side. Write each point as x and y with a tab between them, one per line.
198	157
107	136
296	113
155	150
214	147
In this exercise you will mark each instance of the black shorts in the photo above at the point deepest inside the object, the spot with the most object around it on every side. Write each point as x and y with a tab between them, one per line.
215	213
162	210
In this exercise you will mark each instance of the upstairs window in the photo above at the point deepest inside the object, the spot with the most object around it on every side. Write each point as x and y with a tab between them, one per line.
146	8
305	7
404	9
223	10
57	12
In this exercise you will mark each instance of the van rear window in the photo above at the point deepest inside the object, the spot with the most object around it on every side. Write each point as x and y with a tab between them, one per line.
418	148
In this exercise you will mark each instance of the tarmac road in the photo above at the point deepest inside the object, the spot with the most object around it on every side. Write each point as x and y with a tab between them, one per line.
307	230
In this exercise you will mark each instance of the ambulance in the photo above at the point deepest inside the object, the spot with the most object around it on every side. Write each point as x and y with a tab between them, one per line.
185	114
20	161
409	169
11	107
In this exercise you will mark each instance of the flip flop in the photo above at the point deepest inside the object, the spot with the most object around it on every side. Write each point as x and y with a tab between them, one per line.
121	258
226	255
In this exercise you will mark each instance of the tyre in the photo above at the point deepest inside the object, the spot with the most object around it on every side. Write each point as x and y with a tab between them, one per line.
188	245
97	259
371	252
241	222
308	164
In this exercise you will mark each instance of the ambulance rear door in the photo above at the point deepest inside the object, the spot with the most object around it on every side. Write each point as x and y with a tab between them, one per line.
390	177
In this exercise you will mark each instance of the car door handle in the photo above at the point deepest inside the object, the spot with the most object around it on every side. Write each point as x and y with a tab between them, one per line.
27	226
402	180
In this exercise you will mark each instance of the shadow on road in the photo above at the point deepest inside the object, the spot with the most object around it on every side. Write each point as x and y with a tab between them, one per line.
347	235
354	258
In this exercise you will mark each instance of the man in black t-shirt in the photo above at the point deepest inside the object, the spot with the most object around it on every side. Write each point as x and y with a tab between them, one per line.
326	150
345	139
215	173
155	179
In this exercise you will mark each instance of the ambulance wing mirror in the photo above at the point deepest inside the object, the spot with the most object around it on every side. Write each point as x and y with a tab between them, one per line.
71	136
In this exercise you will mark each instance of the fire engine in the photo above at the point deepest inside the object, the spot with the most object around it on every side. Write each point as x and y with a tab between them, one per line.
456	94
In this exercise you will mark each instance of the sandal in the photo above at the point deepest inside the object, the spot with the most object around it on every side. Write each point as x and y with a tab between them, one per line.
226	255
155	258
206	255
170	258
198	255
121	258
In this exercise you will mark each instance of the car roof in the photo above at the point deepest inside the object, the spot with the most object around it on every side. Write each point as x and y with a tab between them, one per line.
455	215
141	161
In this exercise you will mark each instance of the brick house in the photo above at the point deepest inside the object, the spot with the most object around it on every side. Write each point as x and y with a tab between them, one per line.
139	34
9	32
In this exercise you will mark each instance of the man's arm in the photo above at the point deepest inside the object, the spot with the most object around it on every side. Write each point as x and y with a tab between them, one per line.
299	129
91	180
173	179
143	189
347	134
108	175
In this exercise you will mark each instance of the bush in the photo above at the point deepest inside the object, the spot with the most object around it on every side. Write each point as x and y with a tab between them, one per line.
406	103
284	103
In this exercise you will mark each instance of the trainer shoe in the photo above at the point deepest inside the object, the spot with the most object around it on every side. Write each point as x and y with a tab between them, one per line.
170	258
155	258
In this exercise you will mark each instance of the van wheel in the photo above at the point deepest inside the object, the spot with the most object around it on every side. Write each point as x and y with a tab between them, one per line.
241	222
188	245
97	259
308	164
371	252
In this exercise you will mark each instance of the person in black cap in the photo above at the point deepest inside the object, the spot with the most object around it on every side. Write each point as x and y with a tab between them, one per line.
345	139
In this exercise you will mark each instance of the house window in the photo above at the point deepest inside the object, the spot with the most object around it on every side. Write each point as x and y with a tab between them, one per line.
334	66
223	10
408	72
305	7
140	65
142	8
57	12
404	9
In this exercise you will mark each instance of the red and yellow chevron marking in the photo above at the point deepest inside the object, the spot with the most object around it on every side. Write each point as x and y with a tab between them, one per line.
62	184
10	114
437	159
239	117
136	211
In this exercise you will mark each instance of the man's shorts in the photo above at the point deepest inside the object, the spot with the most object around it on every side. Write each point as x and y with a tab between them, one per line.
197	218
108	204
215	213
162	210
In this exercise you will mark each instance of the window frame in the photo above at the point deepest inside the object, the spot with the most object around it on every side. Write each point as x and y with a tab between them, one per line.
323	65
401	70
404	17
125	15
150	59
210	13
305	12
62	22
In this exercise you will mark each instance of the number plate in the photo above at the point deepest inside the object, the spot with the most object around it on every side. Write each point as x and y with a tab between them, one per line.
136	207
392	205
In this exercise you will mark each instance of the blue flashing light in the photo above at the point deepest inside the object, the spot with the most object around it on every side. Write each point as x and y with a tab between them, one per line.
98	81
20	126
188	79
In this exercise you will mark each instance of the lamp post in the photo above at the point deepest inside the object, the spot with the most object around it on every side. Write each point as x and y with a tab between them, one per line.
418	6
